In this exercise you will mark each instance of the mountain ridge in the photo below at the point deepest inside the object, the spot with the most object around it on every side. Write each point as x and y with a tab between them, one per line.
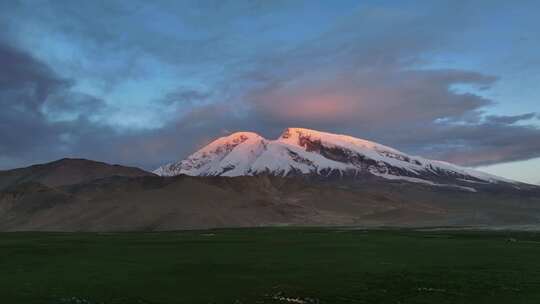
114	200
305	152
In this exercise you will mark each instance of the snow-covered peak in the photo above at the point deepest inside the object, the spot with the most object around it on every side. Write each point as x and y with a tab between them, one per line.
298	136
228	153
300	151
229	141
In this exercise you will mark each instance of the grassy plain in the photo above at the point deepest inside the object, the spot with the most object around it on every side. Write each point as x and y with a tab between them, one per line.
271	265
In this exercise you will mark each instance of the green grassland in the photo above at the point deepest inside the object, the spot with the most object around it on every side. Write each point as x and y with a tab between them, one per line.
267	265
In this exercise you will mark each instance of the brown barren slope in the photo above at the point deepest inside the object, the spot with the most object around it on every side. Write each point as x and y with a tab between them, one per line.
183	202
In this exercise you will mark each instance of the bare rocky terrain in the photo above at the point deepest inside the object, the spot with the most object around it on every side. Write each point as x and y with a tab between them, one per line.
82	195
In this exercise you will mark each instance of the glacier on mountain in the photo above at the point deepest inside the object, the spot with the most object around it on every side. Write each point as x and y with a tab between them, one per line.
306	152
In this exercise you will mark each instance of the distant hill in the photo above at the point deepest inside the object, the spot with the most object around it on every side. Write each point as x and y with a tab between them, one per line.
66	171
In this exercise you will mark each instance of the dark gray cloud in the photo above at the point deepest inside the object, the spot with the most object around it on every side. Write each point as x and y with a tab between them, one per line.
27	80
484	144
184	95
30	92
510	119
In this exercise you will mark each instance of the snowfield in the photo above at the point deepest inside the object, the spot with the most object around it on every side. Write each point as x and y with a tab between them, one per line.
301	151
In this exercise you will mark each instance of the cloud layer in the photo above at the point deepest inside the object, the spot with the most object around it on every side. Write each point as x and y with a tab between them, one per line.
102	84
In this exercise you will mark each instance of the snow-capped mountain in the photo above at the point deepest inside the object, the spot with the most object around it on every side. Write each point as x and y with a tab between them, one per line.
312	153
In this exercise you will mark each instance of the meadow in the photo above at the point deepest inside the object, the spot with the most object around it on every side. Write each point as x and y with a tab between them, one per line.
271	265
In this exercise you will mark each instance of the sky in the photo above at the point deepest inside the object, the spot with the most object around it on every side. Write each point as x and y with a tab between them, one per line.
144	83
